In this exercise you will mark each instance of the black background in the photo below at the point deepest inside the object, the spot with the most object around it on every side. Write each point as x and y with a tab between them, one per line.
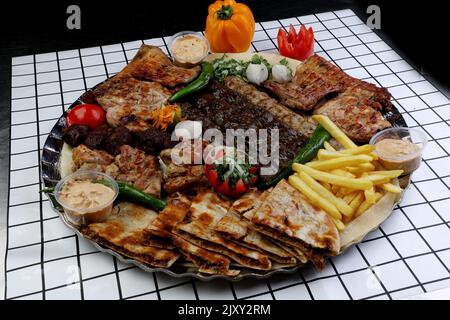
418	32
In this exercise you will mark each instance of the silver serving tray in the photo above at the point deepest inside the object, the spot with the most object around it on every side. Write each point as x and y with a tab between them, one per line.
50	176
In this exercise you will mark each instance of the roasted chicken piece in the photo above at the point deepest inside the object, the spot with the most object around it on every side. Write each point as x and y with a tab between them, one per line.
151	64
129	102
139	169
130	165
184	174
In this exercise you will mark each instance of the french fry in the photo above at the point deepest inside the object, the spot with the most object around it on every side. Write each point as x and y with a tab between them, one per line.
389	187
345	191
339	224
366	205
356	202
349	197
335	189
364	149
342	173
334	131
339	162
327	186
328	146
360	169
369	194
359	183
314	197
326	154
340	204
377	179
388	173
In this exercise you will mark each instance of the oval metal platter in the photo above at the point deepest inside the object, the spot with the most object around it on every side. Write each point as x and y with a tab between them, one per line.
51	154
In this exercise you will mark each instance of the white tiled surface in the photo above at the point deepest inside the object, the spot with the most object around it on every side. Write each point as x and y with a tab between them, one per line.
408	255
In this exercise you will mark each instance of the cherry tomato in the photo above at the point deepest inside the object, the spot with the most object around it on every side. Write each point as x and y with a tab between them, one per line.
295	45
86	114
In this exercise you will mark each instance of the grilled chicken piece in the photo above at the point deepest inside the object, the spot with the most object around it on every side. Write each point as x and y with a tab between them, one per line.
129	102
359	122
85	158
184	175
300	123
130	165
151	64
303	93
139	169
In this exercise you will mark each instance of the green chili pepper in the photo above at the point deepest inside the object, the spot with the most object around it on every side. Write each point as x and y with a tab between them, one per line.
202	80
309	151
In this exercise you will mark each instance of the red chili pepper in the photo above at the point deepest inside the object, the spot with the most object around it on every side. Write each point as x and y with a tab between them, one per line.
295	45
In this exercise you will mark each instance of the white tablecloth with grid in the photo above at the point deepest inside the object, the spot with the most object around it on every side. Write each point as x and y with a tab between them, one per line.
409	254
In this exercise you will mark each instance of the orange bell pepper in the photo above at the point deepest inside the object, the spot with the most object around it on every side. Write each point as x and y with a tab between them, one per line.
229	26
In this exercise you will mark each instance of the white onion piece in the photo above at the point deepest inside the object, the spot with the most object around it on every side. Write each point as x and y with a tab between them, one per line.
281	73
257	73
188	130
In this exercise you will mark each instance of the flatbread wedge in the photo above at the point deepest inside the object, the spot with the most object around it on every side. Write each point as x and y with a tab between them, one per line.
206	261
206	210
236	228
287	216
123	231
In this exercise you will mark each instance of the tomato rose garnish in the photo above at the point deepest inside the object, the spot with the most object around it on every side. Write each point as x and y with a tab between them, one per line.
295	45
86	114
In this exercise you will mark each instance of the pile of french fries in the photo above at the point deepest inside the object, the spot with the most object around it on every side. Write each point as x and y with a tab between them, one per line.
344	183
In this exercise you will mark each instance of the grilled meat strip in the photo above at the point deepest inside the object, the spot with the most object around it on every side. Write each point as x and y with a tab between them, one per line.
302	124
152	64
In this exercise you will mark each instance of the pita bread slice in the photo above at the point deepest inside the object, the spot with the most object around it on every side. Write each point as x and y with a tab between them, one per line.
287	216
206	210
174	212
206	261
123	231
235	228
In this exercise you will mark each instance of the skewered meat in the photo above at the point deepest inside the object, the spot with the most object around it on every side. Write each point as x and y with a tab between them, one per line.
300	123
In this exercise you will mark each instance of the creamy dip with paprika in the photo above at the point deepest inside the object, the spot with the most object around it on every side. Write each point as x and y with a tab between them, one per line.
86	200
398	154
189	49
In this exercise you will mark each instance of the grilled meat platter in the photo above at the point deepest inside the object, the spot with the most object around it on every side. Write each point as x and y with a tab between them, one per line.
188	205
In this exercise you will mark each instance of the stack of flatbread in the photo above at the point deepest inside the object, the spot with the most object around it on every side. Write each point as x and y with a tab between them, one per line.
260	231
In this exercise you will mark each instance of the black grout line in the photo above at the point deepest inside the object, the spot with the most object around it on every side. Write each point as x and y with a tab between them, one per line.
155	280
300	273
40	188
369	267
233	290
